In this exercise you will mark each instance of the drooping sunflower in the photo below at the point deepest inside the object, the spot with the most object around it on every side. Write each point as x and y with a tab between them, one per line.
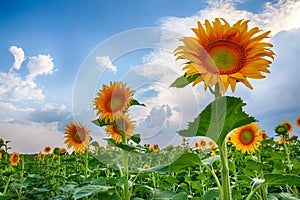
298	121
122	124
14	159
288	125
112	101
263	135
77	136
47	149
246	138
225	54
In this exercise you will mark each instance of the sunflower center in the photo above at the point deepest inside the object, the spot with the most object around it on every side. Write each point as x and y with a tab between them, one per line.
247	137
116	102
226	57
15	159
79	136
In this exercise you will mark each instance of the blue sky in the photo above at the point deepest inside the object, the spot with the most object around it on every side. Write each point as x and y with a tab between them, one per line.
46	44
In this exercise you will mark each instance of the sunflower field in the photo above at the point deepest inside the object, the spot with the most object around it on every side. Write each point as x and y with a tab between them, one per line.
235	159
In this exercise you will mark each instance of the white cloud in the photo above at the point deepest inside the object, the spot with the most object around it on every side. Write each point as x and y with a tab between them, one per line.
31	137
105	62
39	65
19	57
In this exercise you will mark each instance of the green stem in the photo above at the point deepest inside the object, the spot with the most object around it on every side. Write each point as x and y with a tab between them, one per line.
6	185
216	179
226	195
127	194
261	175
21	179
86	163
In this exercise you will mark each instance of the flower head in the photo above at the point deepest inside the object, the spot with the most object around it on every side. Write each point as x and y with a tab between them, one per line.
225	54
281	129
112	101
263	135
202	143
122	125
77	136
47	149
298	121
288	125
246	138
14	159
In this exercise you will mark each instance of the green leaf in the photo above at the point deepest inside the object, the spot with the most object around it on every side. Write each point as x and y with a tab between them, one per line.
279	179
124	146
89	190
184	161
211	195
101	123
209	161
136	138
219	118
136	103
169	195
184	81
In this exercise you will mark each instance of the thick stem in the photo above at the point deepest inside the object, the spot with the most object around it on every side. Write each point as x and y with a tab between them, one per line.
125	168
261	175
225	173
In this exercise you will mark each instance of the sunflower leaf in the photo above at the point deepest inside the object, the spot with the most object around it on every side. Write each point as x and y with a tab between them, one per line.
134	102
126	147
136	138
219	118
184	81
101	123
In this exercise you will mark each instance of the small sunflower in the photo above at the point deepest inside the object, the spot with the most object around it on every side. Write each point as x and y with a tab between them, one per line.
0	156
63	151
14	159
228	138
123	124
196	145
288	125
246	138
47	149
298	121
223	54
112	101
263	135
202	143
77	136
281	129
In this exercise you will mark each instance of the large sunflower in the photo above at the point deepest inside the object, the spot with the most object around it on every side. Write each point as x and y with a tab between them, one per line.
225	54
122	124
112	101
246	138
14	158
77	136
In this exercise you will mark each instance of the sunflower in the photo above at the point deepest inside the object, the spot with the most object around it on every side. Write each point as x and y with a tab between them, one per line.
298	121
196	145
77	136
223	54
202	143
288	125
263	135
14	159
0	156
63	151
112	101
246	138
47	149
122	124
281	129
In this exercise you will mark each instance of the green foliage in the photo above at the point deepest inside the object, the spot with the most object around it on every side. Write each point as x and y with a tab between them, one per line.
184	81
219	118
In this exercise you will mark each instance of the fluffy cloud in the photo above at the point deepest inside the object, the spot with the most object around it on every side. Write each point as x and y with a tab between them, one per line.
39	65
16	88
51	113
105	62
19	57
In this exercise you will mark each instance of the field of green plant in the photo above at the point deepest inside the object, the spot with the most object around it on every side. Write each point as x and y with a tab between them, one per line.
195	173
